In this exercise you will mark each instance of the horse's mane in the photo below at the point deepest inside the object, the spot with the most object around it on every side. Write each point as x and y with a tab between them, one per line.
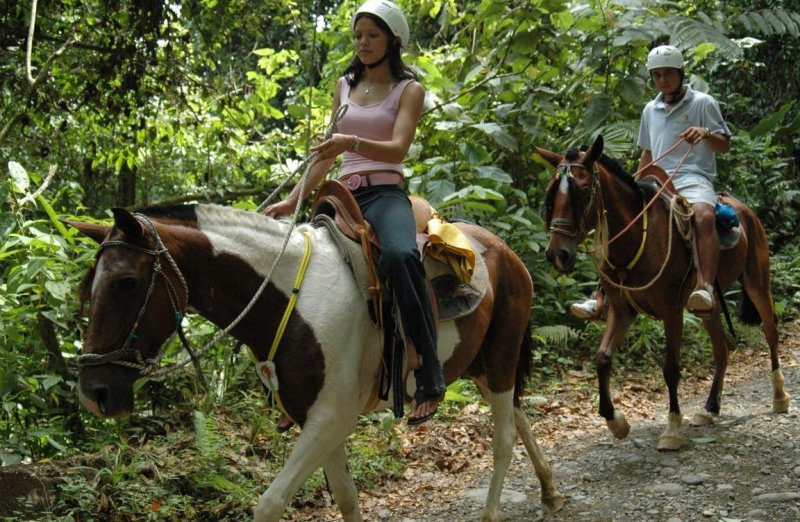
616	169
177	212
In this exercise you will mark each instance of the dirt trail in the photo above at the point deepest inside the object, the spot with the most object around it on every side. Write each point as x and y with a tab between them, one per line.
744	468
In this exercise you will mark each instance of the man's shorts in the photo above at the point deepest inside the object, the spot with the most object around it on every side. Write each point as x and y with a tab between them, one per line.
695	188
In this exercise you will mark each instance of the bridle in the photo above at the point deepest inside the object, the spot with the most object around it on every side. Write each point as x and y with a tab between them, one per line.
567	226
126	356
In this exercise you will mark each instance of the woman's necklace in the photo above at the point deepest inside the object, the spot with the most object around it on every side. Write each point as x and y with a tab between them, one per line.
366	87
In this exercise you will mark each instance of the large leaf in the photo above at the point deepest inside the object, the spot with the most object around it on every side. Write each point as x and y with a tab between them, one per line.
499	135
771	122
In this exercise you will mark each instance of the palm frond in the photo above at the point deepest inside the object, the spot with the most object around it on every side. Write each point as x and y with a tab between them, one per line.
689	33
771	22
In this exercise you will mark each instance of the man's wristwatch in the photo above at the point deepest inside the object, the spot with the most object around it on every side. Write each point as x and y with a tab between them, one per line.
708	134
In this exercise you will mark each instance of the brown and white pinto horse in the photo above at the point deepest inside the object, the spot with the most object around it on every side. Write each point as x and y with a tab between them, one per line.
210	259
648	269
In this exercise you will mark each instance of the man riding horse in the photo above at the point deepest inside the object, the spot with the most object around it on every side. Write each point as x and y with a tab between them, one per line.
679	112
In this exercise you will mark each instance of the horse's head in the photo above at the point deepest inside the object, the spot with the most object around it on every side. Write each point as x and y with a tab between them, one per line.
570	202
136	295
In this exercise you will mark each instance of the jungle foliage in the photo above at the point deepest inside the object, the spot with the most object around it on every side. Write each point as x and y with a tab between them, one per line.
135	102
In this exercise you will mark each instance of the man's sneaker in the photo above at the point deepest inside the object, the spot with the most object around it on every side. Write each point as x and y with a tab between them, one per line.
700	301
586	310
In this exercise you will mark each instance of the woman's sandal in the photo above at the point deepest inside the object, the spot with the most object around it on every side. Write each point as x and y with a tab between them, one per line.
421	397
284	424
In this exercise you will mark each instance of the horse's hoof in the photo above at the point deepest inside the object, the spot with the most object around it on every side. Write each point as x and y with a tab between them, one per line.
619	426
781	405
703	418
494	516
669	443
553	503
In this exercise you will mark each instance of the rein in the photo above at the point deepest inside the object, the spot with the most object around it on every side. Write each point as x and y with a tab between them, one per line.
660	190
643	215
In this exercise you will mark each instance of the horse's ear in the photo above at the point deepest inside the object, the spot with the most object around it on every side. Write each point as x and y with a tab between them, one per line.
551	157
92	230
127	223
595	151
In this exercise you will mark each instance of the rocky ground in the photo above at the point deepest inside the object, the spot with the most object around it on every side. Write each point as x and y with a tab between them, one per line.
746	467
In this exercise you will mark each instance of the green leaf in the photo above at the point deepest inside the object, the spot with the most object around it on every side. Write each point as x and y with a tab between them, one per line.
704	440
59	289
493	173
54	219
50	381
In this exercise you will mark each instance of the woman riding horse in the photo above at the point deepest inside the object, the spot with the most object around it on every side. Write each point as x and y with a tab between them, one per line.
384	102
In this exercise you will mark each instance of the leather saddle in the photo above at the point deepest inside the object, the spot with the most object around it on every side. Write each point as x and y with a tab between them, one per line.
335	208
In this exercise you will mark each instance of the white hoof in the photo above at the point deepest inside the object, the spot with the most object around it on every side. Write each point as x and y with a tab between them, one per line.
553	503
703	418
669	443
781	405
619	426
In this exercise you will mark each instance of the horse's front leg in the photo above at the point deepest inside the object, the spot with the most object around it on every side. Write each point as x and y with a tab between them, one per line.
721	349
671	439
323	434
617	325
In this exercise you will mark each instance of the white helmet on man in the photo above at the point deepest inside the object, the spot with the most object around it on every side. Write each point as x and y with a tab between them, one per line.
389	13
665	56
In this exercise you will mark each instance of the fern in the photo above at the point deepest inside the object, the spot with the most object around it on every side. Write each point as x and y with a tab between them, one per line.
555	334
206	437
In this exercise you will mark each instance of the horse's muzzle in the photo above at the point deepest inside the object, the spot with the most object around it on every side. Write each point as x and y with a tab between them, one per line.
562	259
111	398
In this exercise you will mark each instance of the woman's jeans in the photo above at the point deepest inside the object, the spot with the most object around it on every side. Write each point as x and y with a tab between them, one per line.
388	210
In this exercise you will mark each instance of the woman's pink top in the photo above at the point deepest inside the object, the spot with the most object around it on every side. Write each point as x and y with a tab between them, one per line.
373	122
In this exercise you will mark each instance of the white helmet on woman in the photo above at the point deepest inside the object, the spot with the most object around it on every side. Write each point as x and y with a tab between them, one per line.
389	13
665	56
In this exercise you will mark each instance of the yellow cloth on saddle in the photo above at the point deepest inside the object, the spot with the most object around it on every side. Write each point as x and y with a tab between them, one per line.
451	246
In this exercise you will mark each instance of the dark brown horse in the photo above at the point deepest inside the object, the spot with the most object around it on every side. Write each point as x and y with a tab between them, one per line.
154	265
648	269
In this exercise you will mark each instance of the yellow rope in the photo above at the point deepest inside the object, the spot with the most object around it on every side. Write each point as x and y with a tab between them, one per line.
293	299
638	254
286	314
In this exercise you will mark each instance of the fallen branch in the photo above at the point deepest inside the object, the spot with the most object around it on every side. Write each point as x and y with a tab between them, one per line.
30	197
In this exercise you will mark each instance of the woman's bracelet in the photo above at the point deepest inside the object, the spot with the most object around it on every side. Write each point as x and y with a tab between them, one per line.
356	143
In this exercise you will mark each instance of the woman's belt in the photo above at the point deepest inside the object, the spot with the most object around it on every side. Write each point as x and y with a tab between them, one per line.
356	181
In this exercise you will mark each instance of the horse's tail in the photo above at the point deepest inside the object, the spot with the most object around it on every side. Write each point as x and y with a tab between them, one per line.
523	364
747	312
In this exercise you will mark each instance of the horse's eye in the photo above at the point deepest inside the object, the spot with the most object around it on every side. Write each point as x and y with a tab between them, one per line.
126	284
